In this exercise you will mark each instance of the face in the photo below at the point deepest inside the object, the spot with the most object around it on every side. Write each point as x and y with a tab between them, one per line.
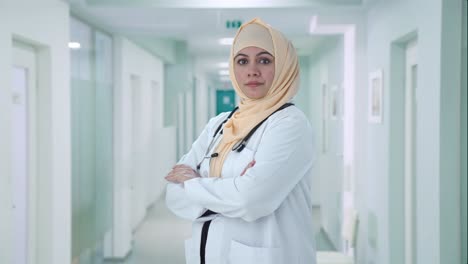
254	69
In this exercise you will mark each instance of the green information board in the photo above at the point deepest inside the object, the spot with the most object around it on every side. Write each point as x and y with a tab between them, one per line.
225	101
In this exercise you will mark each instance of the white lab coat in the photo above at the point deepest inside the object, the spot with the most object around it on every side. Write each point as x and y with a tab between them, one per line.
264	216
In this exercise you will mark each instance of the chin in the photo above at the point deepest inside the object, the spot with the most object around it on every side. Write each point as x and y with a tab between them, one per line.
253	93
255	97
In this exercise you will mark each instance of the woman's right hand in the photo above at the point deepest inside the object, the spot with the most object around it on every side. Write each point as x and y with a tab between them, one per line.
181	173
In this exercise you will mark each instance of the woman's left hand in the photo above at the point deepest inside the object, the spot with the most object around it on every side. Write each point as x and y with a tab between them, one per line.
250	165
181	173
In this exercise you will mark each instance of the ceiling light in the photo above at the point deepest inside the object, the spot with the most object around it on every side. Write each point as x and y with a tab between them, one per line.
223	72
226	41
223	65
313	24
74	45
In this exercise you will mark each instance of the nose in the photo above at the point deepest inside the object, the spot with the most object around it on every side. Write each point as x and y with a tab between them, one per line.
253	71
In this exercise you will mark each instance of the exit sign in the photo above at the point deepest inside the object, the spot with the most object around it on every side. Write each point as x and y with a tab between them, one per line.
233	24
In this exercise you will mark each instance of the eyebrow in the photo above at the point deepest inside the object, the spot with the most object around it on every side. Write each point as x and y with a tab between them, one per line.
259	54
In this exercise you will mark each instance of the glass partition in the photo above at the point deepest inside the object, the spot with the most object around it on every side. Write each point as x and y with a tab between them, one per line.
92	138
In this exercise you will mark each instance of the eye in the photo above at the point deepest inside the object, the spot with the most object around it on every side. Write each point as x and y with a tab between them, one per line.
242	61
264	61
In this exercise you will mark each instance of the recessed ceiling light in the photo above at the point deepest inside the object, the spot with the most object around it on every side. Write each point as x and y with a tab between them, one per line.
223	65
313	24
223	72
226	41
74	45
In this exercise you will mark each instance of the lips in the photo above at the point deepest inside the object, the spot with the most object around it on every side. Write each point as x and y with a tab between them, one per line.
253	84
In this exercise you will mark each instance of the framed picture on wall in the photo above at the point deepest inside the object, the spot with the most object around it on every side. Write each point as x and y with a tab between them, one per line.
375	97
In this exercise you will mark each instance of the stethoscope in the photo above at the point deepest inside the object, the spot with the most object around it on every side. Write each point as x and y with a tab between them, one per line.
240	145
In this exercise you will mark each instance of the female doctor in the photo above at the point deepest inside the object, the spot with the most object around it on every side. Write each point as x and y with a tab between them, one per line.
245	182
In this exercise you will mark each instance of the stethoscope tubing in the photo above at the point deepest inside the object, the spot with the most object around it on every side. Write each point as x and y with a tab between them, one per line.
240	145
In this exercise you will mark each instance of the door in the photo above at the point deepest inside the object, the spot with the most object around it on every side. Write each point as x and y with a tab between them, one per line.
155	113
136	177
23	135
189	120
180	125
410	151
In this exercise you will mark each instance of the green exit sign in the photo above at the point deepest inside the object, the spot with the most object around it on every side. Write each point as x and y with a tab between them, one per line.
233	24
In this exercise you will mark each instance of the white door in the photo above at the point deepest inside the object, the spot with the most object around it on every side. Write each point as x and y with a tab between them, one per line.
188	120
137	158
23	146
180	125
410	150
155	111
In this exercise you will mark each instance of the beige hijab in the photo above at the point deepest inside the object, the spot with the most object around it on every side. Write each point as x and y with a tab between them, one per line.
252	111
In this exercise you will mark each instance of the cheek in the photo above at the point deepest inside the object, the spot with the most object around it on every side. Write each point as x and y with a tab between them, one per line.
238	75
271	76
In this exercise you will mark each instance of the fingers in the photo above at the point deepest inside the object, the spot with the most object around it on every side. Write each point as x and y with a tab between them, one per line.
181	173
181	166
171	179
250	165
175	178
178	178
243	172
181	169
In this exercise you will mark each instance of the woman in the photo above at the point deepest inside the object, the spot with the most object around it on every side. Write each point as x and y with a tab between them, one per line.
245	182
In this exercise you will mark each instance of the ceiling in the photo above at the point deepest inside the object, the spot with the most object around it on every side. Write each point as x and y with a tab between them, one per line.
200	24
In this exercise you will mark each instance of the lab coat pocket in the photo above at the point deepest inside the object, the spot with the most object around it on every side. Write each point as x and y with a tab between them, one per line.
243	254
191	256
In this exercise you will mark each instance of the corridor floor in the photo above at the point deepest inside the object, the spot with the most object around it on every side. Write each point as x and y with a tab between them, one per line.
160	237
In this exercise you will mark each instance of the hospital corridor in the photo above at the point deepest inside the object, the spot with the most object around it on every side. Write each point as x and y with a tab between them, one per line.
99	100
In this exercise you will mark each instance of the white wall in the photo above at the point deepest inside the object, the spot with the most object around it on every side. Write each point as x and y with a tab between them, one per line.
301	100
189	119
387	23
179	77
201	105
463	135
450	143
148	151
46	27
205	88
315	113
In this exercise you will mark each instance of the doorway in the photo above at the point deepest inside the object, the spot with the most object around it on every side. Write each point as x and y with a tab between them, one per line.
23	151
410	132
189	120
136	177
180	125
